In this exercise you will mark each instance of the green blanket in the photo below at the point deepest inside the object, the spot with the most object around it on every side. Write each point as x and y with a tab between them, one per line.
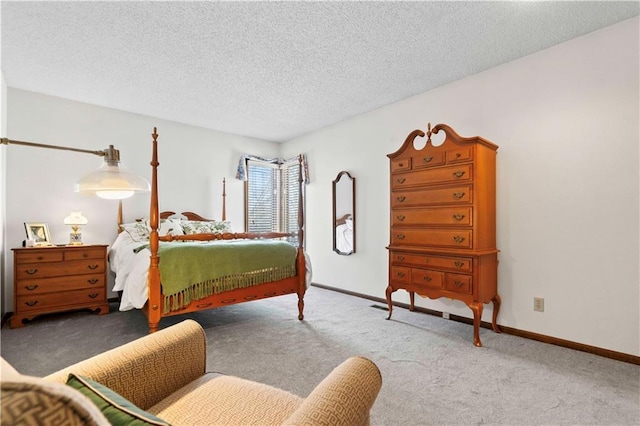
191	270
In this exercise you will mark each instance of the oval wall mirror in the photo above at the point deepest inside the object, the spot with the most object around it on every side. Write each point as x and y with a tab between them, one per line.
344	214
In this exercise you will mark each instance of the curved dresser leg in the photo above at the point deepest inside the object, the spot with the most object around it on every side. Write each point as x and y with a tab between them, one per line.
496	308
412	299
477	317
389	304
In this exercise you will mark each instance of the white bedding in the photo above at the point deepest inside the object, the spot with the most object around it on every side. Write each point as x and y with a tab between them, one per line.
132	269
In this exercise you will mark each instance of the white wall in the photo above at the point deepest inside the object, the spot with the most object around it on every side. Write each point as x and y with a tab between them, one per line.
3	165
566	120
193	162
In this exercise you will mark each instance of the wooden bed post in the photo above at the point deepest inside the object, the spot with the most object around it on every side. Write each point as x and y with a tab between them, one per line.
224	199
301	265
154	304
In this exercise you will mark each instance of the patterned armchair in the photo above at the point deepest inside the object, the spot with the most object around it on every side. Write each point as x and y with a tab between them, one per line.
163	376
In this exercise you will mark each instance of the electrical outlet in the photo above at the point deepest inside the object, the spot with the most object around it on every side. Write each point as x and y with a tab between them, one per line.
445	315
538	304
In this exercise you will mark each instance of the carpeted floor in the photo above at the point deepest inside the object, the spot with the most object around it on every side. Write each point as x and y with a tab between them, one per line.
432	373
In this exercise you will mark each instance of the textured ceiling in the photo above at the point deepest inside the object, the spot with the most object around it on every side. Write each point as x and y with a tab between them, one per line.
273	70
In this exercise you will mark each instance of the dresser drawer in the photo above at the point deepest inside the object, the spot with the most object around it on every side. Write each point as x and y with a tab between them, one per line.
433	216
67	298
84	253
430	159
459	155
38	256
72	267
452	195
462	264
57	284
427	278
458	283
459	173
434	237
400	165
402	275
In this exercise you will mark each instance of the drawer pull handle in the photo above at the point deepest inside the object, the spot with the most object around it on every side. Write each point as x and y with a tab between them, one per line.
33	303
458	174
400	258
85	255
458	217
458	155
400	236
31	287
458	239
400	217
400	180
92	267
427	279
93	280
458	283
458	264
401	199
93	295
458	195
40	257
31	271
400	274
401	164
428	159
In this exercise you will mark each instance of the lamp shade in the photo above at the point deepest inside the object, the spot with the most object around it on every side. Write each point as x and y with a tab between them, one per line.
112	181
75	218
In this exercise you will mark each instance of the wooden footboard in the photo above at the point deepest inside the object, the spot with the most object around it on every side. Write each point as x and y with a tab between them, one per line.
153	309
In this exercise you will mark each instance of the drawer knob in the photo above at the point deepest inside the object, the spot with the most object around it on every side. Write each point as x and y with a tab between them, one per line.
458	283
458	174
400	180
458	264
401	164
458	238
93	295
92	267
458	217
85	255
32	303
458	155
458	195
400	274
401	198
400	236
40	257
400	258
31	271
93	280
31	287
400	217
427	159
427	279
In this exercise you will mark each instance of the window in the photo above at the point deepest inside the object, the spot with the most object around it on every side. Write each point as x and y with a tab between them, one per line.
272	192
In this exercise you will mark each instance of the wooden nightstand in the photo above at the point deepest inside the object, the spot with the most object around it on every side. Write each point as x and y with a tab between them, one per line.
59	278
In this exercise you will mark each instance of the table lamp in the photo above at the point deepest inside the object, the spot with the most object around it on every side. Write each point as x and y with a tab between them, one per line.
75	220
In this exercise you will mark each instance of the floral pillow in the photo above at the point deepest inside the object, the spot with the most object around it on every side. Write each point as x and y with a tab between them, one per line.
139	231
191	227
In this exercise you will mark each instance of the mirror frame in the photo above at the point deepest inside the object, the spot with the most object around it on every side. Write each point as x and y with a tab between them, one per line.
344	175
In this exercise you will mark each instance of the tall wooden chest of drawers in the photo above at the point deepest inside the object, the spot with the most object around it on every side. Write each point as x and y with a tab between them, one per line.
443	222
55	279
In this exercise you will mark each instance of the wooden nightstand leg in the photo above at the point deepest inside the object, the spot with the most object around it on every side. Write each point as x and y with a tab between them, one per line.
389	304
496	308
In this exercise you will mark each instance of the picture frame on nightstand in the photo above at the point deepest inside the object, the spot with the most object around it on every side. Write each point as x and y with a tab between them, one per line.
38	232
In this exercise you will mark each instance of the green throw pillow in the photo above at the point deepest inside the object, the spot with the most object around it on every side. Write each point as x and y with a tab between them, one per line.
115	408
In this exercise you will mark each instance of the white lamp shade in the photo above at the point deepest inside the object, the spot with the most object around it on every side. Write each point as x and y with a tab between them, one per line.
112	182
75	218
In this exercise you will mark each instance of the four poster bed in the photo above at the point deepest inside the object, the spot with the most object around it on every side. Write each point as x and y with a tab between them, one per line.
170	265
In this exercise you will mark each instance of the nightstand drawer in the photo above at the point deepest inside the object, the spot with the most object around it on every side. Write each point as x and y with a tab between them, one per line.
72	267
427	278
402	275
58	284
458	283
63	299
